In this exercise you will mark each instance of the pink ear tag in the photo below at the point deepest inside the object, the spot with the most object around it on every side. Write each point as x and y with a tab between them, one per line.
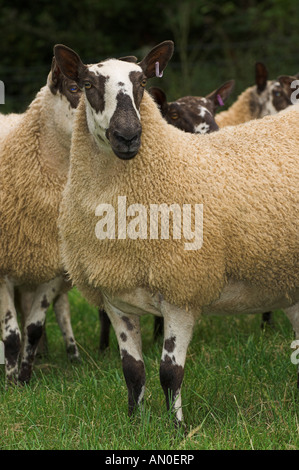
220	101
158	74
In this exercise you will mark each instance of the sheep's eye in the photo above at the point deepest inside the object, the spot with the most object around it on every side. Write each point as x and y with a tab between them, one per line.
174	115
74	89
87	85
143	83
277	93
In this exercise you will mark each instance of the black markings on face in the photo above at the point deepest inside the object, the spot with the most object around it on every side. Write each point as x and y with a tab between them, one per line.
138	90
279	99
67	88
272	99
96	93
191	114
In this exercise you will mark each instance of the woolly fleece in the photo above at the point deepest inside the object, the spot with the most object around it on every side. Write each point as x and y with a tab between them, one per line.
30	193
246	177
245	108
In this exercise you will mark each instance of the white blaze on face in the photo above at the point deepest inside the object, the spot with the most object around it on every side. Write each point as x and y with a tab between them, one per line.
202	128
117	74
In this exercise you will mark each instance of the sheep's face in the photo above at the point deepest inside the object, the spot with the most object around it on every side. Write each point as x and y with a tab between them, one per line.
193	114
114	89
270	96
273	99
190	114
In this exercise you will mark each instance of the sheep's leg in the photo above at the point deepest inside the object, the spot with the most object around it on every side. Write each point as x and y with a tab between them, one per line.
26	300
267	319
178	328
127	329
11	335
293	315
44	296
105	330
63	316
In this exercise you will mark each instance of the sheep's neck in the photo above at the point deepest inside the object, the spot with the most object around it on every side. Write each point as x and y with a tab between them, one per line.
54	145
240	111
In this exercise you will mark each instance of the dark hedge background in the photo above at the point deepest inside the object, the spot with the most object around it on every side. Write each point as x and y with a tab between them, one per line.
214	40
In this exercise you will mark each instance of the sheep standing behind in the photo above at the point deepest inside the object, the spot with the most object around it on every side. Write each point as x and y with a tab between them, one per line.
266	97
34	161
242	256
194	114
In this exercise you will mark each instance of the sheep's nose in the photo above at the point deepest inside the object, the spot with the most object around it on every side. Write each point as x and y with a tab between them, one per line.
127	138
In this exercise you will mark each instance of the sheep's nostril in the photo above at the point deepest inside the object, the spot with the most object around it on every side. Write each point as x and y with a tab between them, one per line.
127	138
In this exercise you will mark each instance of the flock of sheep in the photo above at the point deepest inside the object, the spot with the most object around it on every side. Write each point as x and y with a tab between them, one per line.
93	134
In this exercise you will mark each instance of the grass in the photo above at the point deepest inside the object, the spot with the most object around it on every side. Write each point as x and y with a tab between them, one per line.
239	391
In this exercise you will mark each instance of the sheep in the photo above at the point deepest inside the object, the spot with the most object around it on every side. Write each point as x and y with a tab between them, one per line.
193	113
234	192
34	156
24	299
265	98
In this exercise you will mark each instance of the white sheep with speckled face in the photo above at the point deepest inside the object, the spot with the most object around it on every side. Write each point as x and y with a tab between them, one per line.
265	98
247	186
34	161
193	113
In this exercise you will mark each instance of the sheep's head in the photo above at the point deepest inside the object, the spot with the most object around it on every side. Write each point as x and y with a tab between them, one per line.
270	96
114	89
193	114
59	84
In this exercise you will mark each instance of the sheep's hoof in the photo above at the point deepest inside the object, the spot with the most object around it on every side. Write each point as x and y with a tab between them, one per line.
267	320
11	380
73	355
25	373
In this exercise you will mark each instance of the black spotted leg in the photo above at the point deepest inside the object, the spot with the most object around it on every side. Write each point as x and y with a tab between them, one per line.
178	328
127	330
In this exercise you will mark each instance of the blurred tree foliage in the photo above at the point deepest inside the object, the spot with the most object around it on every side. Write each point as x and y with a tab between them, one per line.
214	40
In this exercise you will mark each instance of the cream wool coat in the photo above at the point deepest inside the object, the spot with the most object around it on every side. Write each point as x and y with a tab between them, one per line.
246	177
31	183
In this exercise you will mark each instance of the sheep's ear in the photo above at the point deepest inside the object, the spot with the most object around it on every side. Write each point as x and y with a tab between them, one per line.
129	58
69	62
160	98
54	77
219	96
261	76
286	83
161	53
54	73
